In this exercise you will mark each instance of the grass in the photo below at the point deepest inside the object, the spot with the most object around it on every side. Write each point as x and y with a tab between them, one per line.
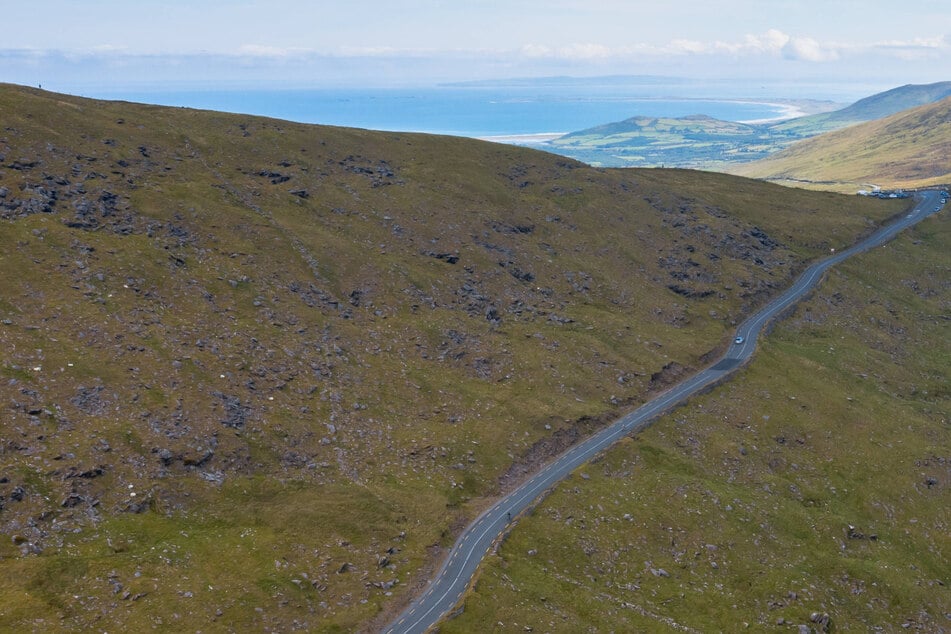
905	150
249	359
261	551
814	482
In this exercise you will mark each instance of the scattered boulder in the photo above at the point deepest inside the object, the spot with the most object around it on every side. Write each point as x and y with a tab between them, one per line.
445	257
71	500
22	165
822	620
276	177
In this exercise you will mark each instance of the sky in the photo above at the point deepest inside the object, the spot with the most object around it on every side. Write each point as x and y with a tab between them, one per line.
71	45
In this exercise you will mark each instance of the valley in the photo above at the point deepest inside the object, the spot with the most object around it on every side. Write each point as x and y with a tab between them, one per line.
259	375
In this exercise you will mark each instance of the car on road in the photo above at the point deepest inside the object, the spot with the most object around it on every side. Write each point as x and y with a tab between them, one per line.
739	339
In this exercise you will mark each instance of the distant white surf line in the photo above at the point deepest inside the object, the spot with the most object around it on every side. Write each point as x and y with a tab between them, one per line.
786	111
523	139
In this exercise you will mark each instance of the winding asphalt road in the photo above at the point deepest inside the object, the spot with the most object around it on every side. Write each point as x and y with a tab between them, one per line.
446	589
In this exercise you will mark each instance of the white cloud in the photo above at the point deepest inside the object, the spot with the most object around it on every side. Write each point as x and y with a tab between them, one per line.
687	46
916	49
771	42
572	52
807	49
536	51
768	53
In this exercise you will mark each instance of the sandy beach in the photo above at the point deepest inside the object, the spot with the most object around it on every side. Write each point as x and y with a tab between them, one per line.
524	139
791	109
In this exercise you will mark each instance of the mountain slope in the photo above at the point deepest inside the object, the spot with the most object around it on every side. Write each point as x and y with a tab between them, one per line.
909	149
723	517
893	101
703	142
255	372
875	106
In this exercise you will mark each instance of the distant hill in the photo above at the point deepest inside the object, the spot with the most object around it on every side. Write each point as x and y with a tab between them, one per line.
693	141
908	149
874	107
703	142
686	125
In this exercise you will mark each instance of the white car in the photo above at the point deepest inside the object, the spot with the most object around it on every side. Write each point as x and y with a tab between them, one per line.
739	339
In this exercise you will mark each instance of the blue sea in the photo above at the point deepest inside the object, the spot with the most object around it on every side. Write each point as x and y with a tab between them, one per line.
462	111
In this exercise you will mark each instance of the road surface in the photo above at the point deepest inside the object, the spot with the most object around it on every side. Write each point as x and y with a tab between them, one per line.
446	589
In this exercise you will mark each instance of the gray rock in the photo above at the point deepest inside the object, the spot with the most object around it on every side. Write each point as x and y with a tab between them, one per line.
71	500
236	413
89	400
823	620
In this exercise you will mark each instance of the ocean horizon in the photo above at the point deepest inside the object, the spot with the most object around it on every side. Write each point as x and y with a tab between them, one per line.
480	112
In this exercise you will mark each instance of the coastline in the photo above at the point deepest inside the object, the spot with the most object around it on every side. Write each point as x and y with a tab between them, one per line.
791	109
539	138
786	109
786	112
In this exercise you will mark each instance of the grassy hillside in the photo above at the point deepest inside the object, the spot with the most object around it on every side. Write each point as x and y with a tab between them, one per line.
256	374
706	143
873	107
909	149
814	490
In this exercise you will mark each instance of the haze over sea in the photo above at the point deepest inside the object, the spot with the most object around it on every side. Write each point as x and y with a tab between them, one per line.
466	110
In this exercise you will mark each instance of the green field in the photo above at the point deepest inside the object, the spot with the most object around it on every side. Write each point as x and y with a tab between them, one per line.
698	142
907	150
